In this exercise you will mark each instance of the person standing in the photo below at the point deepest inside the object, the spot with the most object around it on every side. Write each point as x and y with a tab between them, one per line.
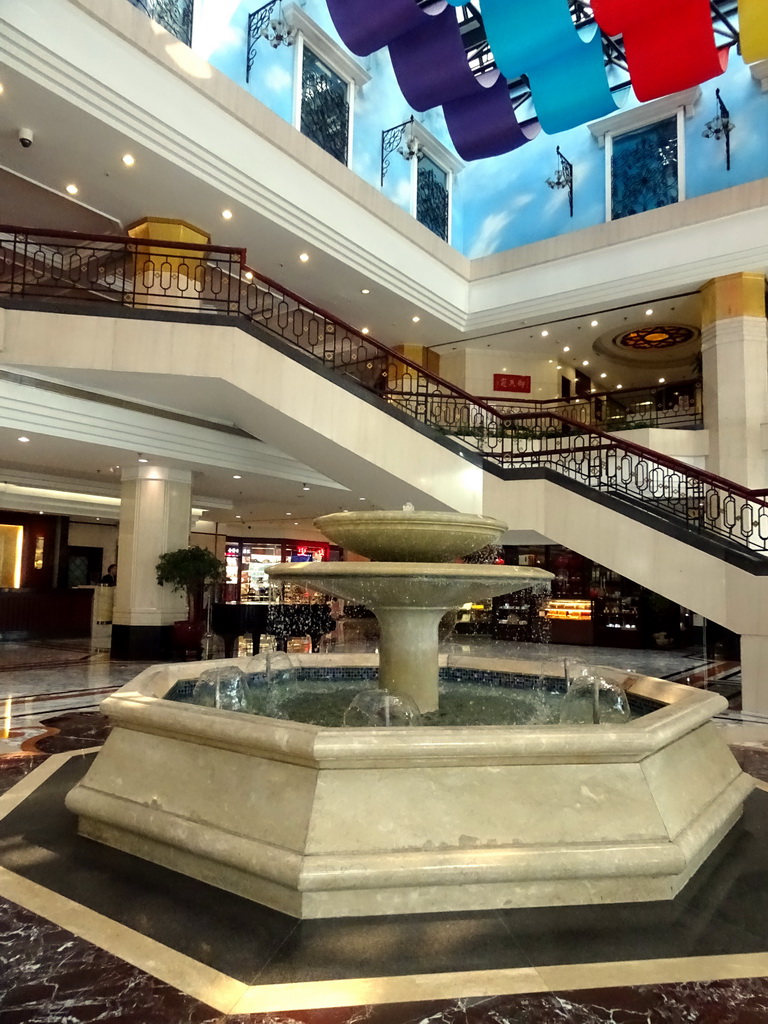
109	579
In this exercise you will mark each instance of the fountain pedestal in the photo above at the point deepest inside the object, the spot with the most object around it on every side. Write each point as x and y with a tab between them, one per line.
409	599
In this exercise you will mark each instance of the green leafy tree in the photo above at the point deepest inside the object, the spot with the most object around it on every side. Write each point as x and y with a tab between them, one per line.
189	569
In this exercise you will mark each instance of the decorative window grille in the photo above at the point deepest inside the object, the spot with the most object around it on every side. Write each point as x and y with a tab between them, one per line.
324	106
174	15
432	197
645	169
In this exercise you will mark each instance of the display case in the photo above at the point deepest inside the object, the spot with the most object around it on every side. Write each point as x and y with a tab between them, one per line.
619	621
516	618
475	617
570	620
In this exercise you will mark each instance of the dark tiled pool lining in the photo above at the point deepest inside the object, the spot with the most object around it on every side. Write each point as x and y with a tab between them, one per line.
638	705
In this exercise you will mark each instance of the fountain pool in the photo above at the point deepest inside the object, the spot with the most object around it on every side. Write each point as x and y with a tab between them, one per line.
327	821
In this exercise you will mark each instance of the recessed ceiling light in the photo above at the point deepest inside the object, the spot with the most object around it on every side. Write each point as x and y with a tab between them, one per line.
361	499
23	439
550	360
304	256
305	487
366	330
662	380
226	214
566	348
289	513
603	375
415	319
649	312
73	190
238	517
545	334
619	387
129	160
595	323
237	477
365	291
558	367
295	524
585	362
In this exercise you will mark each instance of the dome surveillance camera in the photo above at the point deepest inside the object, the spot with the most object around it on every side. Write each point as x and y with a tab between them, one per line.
26	137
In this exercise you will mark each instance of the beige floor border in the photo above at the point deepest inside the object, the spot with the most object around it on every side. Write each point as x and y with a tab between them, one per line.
229	996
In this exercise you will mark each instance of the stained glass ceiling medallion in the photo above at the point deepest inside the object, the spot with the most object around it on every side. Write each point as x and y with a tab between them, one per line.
503	70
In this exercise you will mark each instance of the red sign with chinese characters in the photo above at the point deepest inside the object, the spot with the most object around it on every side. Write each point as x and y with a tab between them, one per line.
511	382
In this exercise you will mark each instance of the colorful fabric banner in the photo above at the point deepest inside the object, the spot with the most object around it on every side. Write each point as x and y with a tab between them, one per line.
656	68
430	62
431	67
753	28
484	123
566	74
537	38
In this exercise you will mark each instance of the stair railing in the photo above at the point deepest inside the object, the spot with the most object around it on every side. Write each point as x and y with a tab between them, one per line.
194	279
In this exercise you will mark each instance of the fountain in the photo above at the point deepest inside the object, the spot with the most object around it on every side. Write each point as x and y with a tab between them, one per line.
409	598
321	821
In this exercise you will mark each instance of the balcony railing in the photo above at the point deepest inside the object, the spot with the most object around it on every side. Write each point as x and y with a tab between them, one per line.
72	268
677	405
174	15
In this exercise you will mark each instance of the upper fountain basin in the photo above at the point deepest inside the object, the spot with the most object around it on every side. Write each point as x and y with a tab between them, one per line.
411	536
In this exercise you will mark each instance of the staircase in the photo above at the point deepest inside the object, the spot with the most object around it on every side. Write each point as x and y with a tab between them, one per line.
305	381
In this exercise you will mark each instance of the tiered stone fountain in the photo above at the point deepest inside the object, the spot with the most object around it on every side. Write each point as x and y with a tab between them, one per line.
409	587
327	822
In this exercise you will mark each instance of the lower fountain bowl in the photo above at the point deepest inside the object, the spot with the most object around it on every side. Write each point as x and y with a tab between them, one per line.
335	822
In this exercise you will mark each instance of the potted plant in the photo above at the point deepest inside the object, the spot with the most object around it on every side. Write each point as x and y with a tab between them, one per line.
189	569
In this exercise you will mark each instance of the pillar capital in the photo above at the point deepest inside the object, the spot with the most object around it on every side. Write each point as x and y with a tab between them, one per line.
146	471
166	229
732	296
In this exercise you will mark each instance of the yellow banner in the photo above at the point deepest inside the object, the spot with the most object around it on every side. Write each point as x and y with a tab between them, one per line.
753	27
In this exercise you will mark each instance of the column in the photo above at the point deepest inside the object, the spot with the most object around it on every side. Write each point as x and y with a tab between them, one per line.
754	658
161	278
155	509
734	347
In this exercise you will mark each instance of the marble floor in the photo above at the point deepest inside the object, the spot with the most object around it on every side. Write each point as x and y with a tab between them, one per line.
90	934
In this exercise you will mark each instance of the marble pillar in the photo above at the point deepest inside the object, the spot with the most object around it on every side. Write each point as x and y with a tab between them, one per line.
155	508
754	668
735	370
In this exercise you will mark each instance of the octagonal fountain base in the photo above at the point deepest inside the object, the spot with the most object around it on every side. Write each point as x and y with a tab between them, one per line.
337	822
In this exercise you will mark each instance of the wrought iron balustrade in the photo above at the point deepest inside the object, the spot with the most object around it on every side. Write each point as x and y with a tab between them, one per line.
702	502
174	15
71	267
76	267
675	405
432	203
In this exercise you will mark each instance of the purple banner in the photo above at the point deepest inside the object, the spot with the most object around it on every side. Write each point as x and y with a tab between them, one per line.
485	124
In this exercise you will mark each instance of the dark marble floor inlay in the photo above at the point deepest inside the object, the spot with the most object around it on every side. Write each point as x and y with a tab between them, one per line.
49	976
724	910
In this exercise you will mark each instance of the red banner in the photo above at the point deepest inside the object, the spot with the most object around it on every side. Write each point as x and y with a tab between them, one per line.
511	382
658	66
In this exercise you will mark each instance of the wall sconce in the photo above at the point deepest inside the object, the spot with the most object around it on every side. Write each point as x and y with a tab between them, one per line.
267	23
720	127
563	177
396	140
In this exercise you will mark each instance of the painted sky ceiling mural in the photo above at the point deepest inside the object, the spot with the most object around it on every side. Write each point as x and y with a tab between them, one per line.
673	48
